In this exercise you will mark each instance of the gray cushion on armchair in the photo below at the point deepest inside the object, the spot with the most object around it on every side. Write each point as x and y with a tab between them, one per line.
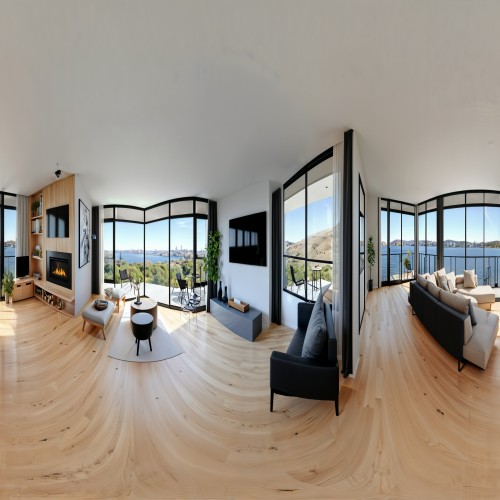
314	341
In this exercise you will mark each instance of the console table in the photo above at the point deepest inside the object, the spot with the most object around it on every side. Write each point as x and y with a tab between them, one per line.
247	325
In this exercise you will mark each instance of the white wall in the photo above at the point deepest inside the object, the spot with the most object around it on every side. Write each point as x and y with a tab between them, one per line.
251	284
357	171
83	275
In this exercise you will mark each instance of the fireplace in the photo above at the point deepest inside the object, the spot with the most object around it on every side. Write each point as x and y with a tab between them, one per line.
59	268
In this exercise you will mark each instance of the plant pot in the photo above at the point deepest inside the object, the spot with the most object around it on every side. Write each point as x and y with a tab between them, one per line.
370	285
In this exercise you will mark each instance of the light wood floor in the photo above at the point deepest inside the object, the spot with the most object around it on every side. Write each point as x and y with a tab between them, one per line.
77	424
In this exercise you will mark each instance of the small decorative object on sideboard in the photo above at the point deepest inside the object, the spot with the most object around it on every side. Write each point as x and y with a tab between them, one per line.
224	299
239	305
219	293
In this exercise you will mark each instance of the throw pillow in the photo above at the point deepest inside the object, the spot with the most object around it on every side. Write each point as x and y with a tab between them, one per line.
444	283
422	281
452	281
315	338
432	279
100	304
455	301
108	292
472	314
469	281
438	274
433	290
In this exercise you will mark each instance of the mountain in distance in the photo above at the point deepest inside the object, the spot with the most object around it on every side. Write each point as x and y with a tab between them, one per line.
320	246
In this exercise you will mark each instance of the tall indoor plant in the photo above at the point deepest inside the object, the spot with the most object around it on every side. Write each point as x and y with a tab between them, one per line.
8	286
370	250
211	260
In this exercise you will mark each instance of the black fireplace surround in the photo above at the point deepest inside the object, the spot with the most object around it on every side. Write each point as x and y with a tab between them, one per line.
59	268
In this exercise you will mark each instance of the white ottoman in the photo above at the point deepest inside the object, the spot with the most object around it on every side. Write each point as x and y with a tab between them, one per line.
97	318
117	295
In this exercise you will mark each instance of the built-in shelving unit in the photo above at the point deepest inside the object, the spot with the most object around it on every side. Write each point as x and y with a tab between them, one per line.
52	296
58	193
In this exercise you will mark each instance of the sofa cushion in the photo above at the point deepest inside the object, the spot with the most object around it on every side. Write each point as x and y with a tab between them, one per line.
480	345
422	281
483	294
433	290
455	301
315	339
452	282
438	274
432	279
443	283
469	281
468	331
459	278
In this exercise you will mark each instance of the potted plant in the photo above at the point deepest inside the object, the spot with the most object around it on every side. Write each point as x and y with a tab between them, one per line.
8	285
34	207
211	260
370	250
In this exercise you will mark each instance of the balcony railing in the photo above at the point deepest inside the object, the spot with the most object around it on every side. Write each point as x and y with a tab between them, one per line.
487	267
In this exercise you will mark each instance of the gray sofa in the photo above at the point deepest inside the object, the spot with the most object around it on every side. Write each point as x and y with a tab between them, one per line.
447	317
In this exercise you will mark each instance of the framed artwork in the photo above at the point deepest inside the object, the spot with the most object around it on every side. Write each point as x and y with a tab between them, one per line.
84	234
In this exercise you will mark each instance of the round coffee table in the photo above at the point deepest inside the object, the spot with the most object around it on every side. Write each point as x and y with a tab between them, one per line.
146	306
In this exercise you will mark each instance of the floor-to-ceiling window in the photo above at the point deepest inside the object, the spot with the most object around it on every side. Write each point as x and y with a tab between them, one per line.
397	241
158	246
7	234
427	237
308	228
470	234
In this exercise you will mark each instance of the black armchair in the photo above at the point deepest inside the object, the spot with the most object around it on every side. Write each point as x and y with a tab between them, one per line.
296	282
124	278
297	376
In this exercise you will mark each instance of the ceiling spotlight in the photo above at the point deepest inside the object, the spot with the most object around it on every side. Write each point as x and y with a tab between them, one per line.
58	173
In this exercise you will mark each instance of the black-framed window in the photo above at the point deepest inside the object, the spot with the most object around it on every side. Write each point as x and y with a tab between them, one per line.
457	231
7	233
308	228
397	241
167	240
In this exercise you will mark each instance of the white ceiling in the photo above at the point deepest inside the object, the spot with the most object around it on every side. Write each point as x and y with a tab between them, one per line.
150	100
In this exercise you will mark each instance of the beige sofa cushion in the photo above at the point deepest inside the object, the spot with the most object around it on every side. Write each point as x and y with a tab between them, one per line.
422	281
484	294
432	279
469	281
480	345
433	290
451	281
455	301
438	274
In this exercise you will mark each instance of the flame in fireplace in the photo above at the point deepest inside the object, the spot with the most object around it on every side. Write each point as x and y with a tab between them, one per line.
59	271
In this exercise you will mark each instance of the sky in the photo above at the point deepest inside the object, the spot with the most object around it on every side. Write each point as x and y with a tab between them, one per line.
130	236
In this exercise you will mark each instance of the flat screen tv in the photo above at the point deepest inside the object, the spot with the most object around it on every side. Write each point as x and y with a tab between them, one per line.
58	222
22	266
247	240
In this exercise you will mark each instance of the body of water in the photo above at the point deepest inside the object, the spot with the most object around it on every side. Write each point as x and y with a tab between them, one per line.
485	261
9	261
134	258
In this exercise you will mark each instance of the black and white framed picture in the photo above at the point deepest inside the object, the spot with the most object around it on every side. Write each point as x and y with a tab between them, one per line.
84	234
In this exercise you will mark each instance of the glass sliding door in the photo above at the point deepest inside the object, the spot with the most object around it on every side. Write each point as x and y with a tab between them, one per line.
454	233
181	257
492	243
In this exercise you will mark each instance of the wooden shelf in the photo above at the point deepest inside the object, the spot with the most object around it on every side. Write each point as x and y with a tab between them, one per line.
36	257
50	295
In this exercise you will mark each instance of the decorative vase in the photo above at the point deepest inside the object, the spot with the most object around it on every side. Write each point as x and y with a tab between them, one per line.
224	299
370	285
219	293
